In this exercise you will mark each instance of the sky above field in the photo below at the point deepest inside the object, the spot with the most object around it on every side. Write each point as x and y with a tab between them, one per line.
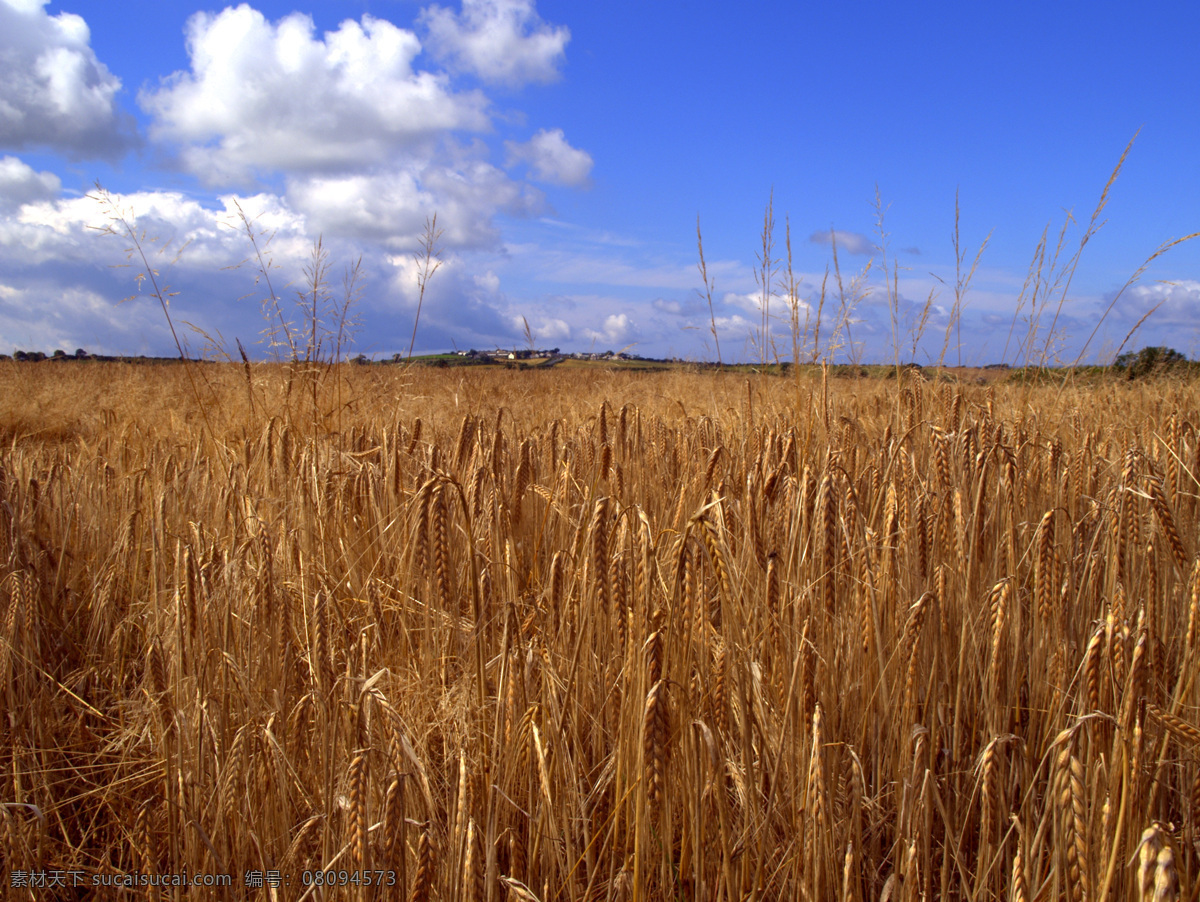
568	151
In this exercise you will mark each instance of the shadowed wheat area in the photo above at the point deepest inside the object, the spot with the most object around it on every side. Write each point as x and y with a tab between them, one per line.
599	635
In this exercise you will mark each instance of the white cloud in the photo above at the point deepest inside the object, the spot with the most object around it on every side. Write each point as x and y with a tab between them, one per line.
784	308
50	231
1178	303
736	324
57	94
847	242
263	96
52	257
617	326
70	226
780	307
499	40
20	184
460	308
469	194
63	277
61	240
341	133
390	207
43	318
488	281
552	158
550	331
616	329
751	302
365	142
404	277
386	207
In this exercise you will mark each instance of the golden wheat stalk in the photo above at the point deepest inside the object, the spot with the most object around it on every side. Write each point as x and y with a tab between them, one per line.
1166	521
1183	730
394	855
655	734
1044	568
422	887
1071	805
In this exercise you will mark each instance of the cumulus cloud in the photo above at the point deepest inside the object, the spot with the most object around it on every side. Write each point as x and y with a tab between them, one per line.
341	133
503	41
751	301
262	96
50	231
390	207
461	309
1178	303
736	324
385	207
20	184
487	281
57	94
52	257
545	330
368	145
468	194
552	330
54	249
167	219
616	329
41	317
552	159
847	242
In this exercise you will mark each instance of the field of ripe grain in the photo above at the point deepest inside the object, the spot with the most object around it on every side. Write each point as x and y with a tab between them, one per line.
584	635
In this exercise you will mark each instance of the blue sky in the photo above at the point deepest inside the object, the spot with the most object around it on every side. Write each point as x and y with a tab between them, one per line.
568	149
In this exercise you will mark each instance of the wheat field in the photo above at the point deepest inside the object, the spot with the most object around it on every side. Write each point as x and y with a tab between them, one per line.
593	635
